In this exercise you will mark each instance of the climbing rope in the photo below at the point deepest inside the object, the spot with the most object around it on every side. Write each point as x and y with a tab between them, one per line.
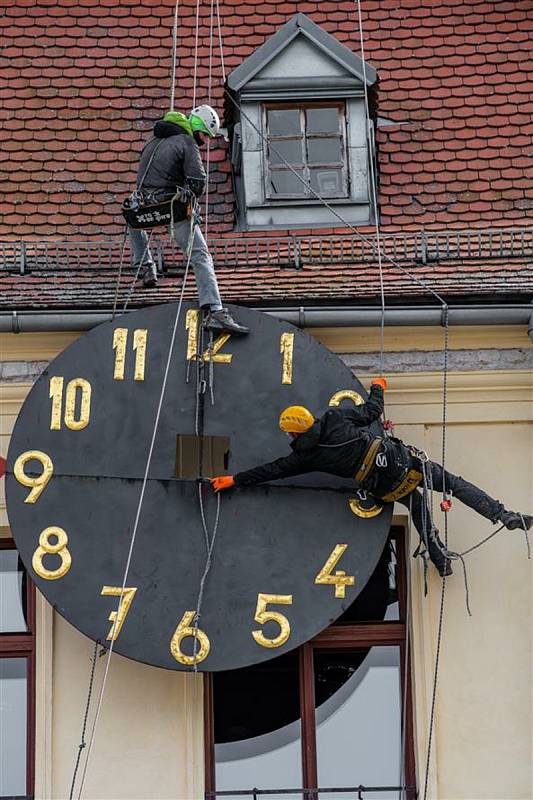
83	743
138	513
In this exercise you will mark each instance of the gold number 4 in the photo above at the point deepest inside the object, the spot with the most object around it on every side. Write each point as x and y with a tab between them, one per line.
120	341
59	548
263	615
340	580
56	395
38	483
211	354
184	629
117	617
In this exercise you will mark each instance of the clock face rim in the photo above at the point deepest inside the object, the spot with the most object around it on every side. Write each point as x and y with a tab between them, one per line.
267	488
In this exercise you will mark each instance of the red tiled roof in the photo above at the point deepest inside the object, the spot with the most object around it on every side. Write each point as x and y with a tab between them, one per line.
340	283
84	79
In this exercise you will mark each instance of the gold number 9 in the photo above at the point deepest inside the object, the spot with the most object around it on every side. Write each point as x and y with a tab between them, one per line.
39	482
59	548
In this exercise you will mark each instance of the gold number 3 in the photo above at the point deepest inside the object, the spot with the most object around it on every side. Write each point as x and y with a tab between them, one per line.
59	548
262	615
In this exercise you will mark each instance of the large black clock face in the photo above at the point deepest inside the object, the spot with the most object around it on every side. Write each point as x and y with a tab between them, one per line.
288	558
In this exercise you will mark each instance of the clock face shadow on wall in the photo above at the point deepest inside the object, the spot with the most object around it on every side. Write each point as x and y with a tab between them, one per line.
76	462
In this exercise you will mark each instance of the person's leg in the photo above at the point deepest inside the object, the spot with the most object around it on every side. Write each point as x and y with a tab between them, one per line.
421	516
475	498
206	279
142	256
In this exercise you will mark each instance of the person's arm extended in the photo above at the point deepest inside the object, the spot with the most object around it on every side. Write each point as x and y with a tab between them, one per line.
371	410
272	471
193	169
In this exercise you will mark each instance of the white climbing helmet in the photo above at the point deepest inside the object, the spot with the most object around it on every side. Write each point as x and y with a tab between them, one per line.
205	119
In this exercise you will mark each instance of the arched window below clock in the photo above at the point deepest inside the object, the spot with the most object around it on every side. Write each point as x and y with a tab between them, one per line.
328	714
17	671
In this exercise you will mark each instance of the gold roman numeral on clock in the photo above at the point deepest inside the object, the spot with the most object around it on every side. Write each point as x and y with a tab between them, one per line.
117	617
75	423
120	343
286	348
264	615
340	580
37	483
211	354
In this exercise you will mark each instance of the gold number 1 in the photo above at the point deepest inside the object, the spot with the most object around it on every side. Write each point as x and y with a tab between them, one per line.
286	347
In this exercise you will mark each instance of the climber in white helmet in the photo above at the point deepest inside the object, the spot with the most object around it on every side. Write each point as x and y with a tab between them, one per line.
171	163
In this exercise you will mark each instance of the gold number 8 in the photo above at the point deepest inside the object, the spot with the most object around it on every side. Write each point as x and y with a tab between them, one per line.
183	630
59	548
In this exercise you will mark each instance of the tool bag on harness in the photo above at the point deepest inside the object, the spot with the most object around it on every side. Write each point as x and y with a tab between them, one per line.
141	210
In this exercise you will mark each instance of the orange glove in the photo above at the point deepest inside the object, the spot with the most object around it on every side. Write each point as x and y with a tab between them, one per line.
222	482
380	382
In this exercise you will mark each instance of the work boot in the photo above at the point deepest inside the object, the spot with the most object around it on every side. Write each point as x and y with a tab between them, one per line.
149	276
436	554
514	520
222	321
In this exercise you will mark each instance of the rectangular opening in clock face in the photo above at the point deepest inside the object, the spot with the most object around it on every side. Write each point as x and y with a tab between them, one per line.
212	450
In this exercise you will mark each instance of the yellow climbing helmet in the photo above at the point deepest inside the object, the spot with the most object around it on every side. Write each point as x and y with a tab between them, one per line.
295	419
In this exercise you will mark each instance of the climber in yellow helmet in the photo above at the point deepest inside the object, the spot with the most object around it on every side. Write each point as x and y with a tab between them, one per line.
341	443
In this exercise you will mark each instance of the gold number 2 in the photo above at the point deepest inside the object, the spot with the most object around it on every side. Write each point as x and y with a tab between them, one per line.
120	341
346	394
262	615
340	580
184	629
39	482
118	617
59	548
211	354
56	395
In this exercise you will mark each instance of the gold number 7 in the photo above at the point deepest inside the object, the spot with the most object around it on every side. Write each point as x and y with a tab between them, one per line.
118	617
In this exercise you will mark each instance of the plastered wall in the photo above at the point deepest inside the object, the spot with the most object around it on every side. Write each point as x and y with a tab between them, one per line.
149	741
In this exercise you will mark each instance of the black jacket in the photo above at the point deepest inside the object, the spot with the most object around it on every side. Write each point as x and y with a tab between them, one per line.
312	450
177	163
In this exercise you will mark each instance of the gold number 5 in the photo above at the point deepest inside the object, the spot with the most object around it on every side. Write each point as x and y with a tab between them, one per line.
262	615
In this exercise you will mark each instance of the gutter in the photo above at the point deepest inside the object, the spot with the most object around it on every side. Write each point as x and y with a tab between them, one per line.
301	316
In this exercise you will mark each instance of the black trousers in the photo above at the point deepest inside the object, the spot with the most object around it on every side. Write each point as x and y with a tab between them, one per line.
469	494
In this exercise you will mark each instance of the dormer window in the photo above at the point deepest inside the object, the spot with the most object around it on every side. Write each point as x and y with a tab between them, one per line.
310	138
301	132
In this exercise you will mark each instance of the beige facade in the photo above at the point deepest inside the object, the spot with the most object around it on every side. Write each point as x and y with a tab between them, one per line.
149	741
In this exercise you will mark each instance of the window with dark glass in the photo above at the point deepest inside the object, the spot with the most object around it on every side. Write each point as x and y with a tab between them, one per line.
330	714
306	151
17	668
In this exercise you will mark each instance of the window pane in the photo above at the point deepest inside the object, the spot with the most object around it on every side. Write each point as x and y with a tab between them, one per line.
359	725
285	182
11	593
327	182
322	120
13	724
324	151
257	727
284	122
289	149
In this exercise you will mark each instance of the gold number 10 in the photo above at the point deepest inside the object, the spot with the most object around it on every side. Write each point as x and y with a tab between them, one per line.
56	395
